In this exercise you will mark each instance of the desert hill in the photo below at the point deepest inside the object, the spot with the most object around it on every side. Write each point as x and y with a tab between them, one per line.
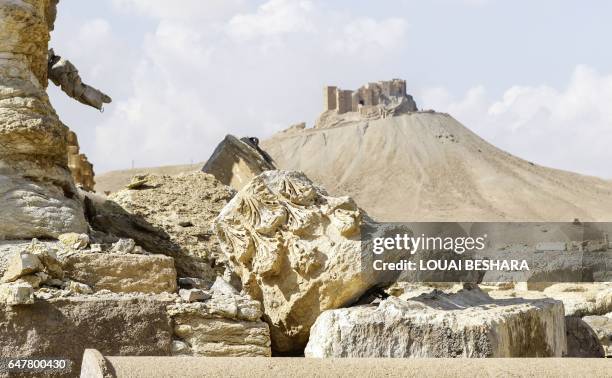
426	166
114	181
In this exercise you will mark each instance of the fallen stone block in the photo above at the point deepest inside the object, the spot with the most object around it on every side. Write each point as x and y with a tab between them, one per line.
235	161
466	324
582	341
74	240
296	250
602	325
193	295
65	327
223	326
21	264
17	293
122	273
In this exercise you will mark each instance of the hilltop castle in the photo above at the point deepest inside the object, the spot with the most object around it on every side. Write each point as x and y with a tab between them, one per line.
371	100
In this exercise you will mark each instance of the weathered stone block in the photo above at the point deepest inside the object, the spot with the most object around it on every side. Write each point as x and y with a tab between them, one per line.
225	325
64	327
296	249
122	273
466	324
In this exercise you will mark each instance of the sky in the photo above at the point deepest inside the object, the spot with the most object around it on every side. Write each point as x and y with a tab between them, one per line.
531	77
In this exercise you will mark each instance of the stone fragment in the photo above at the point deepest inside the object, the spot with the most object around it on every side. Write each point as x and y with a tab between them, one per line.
74	240
223	326
47	257
33	280
124	246
296	250
137	182
122	273
18	293
79	288
193	295
235	161
602	325
222	287
468	323
582	341
21	264
95	248
180	348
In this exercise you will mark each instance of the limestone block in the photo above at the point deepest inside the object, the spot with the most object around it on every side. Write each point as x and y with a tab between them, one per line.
296	250
122	273
21	264
466	324
235	162
74	240
223	326
64	327
602	325
193	295
582	341
17	293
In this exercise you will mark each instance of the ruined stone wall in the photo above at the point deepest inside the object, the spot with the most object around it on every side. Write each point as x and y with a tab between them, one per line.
344	101
373	100
329	98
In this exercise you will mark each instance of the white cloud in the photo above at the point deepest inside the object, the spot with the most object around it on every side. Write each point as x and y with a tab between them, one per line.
569	128
182	10
250	73
275	17
367	35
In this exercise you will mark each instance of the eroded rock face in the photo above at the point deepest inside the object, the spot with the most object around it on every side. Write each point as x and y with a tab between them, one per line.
39	198
225	325
465	324
122	273
296	250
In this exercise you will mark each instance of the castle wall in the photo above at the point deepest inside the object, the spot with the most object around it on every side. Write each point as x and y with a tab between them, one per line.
344	101
329	98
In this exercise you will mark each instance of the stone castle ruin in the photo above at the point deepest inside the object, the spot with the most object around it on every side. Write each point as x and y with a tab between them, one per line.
373	100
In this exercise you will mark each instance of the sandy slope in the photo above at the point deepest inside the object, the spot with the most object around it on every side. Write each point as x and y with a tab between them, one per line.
427	166
116	180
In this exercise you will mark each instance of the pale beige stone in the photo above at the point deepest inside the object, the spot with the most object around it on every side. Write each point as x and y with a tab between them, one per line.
74	240
235	162
223	326
296	249
39	195
122	273
17	293
21	264
465	324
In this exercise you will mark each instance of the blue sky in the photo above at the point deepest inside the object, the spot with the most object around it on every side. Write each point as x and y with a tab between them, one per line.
532	77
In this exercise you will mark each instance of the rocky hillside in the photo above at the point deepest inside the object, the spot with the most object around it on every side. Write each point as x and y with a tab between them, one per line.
426	166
